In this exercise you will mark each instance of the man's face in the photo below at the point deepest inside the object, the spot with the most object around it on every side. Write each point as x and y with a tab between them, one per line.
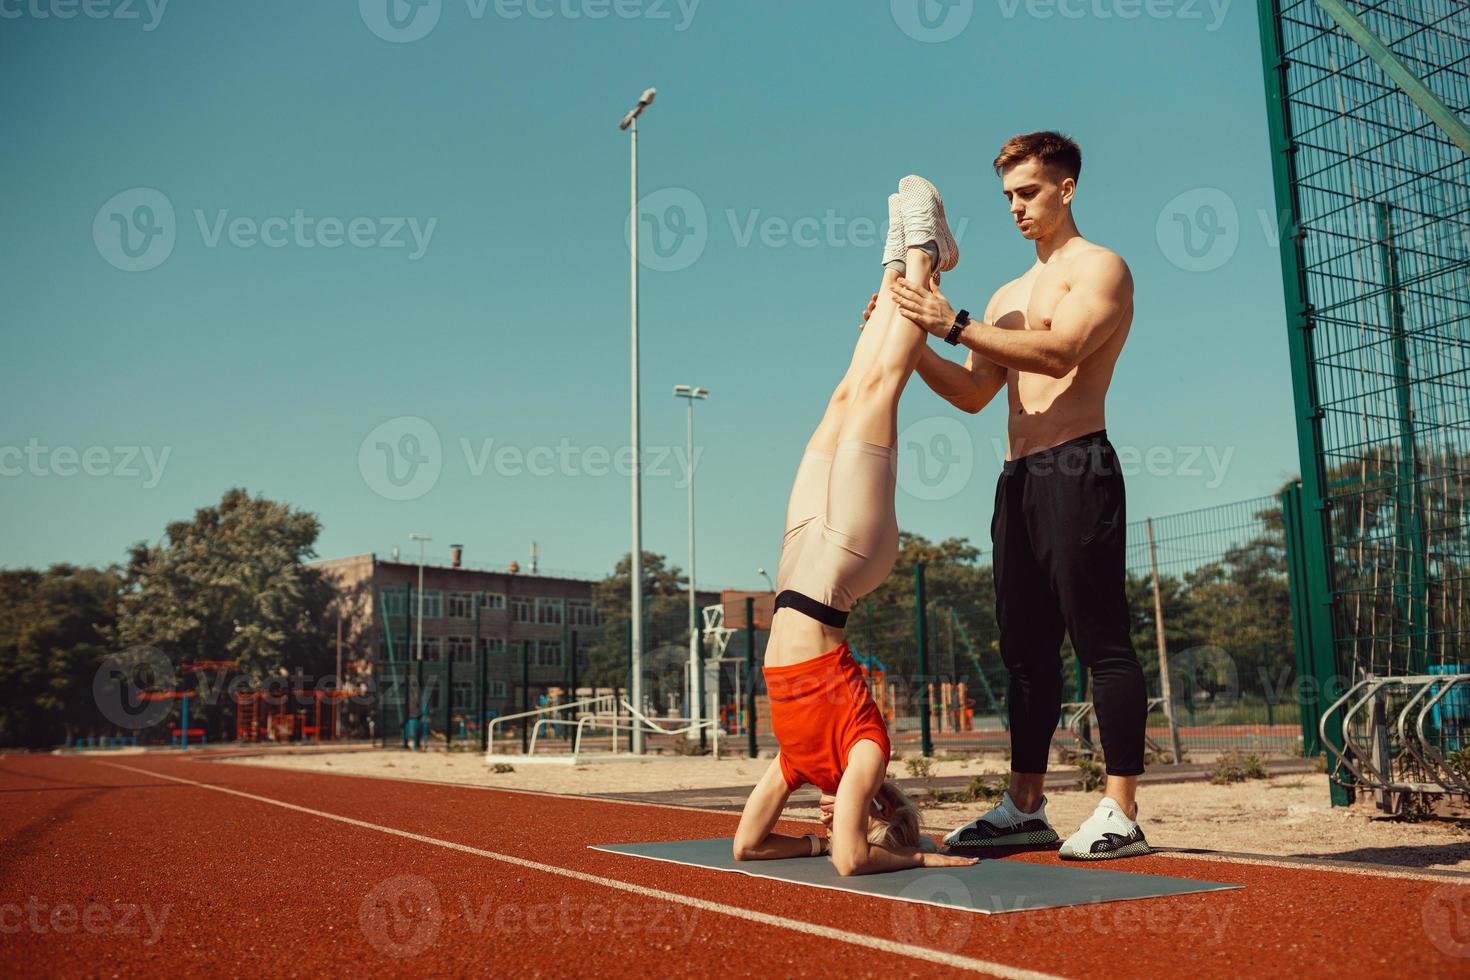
1037	199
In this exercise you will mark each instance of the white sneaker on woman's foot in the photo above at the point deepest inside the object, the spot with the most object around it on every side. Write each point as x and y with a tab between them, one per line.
924	221
1005	826
894	250
1108	833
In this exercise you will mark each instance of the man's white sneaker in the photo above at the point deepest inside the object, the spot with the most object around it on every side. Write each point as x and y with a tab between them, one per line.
894	250
1108	833
924	221
1005	826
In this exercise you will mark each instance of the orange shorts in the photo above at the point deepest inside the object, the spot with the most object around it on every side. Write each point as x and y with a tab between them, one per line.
820	709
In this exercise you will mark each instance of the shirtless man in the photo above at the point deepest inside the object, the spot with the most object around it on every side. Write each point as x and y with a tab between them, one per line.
1051	338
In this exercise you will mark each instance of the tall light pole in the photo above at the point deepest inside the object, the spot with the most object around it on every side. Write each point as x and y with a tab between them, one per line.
762	571
635	683
419	640
696	682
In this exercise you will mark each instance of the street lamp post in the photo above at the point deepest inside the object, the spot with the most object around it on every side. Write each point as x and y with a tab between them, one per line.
419	640
635	683
692	394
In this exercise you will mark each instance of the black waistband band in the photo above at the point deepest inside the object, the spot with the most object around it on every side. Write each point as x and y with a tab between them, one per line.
820	611
1042	455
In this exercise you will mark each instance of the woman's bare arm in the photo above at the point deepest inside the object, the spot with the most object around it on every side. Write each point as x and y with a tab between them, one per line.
753	838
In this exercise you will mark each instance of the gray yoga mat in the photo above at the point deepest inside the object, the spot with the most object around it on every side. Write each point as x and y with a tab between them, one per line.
992	886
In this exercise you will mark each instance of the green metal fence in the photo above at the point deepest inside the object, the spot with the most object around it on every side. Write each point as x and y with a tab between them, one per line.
1372	181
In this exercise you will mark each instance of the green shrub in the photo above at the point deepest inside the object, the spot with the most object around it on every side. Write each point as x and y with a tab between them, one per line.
1233	767
1093	773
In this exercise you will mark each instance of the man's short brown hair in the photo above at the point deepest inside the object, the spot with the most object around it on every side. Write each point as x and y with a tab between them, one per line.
1055	151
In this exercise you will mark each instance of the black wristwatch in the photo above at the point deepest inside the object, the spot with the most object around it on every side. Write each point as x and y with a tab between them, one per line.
961	320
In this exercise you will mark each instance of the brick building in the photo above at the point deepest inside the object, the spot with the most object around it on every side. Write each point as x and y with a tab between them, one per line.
469	614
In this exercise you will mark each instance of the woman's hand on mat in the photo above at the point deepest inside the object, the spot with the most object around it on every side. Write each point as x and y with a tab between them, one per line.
828	805
931	860
929	310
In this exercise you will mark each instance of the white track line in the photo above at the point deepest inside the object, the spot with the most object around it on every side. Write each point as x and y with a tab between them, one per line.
734	911
1223	857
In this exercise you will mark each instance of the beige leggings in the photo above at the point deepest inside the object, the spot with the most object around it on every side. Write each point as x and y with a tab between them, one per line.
841	535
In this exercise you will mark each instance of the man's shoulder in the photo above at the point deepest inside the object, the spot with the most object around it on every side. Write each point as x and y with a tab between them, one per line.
1094	257
1090	262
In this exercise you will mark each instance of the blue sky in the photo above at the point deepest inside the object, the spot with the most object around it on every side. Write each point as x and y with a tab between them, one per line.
282	245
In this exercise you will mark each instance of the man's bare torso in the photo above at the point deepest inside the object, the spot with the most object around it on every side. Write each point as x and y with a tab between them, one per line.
1046	411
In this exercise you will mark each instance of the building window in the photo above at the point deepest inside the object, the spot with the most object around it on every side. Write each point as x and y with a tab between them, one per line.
524	608
395	601
464	696
498	689
461	649
548	653
461	605
492	600
432	649
492	645
433	604
580	612
549	612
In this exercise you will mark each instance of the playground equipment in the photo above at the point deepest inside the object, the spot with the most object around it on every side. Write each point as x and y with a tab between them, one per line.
269	716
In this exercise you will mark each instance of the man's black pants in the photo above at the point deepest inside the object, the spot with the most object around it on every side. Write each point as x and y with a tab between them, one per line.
1058	533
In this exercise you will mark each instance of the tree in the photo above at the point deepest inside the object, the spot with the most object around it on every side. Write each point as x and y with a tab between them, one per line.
53	639
232	584
665	615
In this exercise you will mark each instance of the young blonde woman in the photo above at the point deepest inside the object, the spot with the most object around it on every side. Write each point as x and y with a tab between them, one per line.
840	543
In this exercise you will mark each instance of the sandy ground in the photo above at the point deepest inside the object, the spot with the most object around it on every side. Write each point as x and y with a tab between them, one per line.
1283	816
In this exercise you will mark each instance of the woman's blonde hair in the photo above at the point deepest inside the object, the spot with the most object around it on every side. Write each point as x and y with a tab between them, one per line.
903	829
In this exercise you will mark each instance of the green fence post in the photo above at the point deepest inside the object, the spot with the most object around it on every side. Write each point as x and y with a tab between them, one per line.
483	656
926	738
750	675
525	696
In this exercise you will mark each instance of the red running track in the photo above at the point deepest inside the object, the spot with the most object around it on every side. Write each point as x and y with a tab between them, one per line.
153	864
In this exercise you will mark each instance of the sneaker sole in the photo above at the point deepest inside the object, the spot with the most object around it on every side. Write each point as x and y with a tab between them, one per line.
1128	850
1009	840
948	247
